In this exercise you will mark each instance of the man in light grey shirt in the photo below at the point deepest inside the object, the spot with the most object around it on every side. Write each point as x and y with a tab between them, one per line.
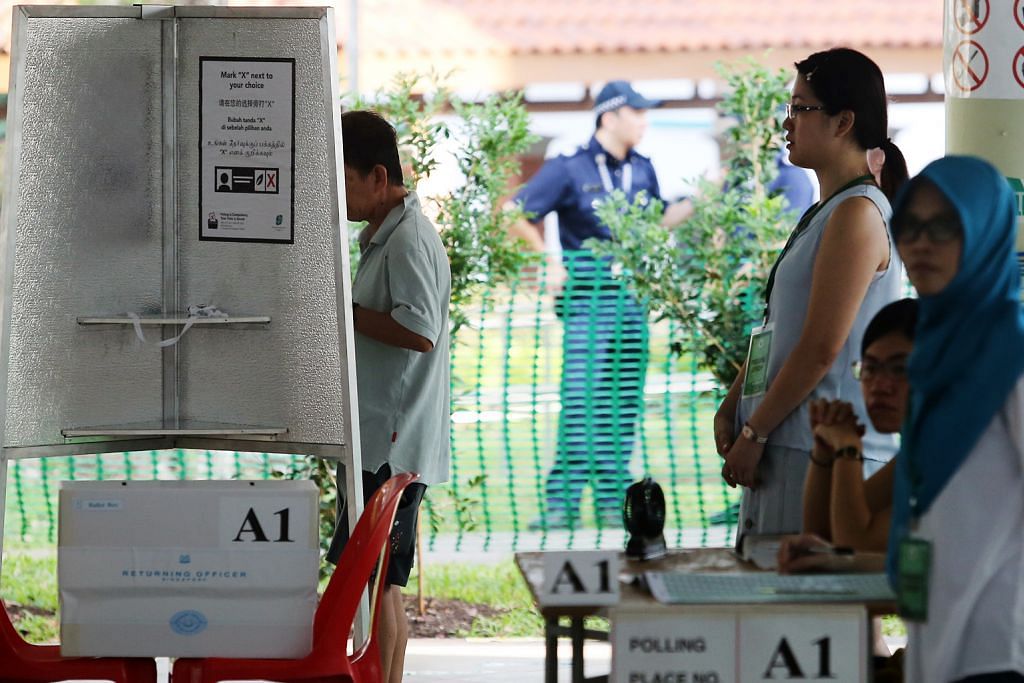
400	313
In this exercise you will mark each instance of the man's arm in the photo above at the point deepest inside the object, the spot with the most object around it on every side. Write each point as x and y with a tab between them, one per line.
550	189
419	297
381	327
677	213
529	233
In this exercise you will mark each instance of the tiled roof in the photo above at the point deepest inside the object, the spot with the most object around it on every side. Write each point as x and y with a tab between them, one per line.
542	27
519	27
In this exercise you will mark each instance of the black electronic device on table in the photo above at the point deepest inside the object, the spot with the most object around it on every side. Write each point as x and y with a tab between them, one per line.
643	513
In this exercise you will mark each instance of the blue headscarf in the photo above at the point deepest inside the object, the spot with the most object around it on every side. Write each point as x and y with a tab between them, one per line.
969	343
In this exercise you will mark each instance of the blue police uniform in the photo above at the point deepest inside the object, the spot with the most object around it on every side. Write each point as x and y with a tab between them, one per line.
794	185
604	345
569	186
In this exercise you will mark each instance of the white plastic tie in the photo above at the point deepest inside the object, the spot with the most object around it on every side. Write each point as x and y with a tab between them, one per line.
195	312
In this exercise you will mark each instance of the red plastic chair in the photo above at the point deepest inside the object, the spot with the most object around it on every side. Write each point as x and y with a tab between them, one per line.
368	547
22	662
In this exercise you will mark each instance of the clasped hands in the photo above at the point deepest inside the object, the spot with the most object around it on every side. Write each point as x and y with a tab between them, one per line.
835	426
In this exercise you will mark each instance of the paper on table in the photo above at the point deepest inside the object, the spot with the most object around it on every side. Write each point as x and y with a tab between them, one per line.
761	549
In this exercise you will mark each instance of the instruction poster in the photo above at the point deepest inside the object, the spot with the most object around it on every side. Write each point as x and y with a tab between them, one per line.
246	149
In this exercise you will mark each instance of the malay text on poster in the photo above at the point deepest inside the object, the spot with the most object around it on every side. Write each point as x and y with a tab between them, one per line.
246	149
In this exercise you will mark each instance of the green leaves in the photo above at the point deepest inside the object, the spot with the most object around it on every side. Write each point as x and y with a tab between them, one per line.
708	274
415	118
464	505
488	138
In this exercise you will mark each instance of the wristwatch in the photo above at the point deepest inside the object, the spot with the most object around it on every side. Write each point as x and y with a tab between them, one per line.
851	452
748	433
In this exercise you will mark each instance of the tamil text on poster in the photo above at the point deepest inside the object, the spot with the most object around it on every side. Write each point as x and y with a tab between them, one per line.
246	149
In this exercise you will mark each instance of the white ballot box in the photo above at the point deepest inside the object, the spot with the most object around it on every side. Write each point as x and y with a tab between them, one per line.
188	568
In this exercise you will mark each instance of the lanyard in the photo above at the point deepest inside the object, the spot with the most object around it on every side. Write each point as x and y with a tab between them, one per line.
805	220
915	475
606	177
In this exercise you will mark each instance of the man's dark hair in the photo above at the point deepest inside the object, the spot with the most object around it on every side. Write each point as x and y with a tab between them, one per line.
898	317
369	140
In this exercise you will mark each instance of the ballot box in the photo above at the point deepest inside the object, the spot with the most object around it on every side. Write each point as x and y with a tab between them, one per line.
188	568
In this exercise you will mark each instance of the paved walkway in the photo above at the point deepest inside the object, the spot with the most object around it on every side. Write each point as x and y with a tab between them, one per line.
516	660
519	660
455	660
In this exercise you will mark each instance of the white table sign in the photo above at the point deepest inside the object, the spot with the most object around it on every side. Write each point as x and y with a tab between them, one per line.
752	644
829	644
673	648
247	149
585	577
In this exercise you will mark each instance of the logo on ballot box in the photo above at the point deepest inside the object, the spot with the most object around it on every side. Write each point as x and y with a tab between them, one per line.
584	577
188	623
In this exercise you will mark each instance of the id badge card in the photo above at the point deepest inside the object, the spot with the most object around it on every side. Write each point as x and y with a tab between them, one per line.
915	566
756	381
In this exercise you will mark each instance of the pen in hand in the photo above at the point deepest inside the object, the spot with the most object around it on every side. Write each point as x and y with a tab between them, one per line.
828	550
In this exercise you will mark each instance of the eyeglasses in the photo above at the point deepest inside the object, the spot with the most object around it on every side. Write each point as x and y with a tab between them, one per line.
870	370
793	109
942	228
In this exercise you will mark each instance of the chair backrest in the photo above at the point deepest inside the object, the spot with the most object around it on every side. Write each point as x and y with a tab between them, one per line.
368	543
10	639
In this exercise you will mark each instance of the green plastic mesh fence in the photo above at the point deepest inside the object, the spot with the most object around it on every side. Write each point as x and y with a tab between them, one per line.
558	403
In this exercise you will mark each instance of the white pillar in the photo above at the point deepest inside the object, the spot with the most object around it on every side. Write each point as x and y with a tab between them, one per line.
983	60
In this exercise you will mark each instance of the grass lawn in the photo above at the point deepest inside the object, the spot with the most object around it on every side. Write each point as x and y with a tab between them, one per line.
30	581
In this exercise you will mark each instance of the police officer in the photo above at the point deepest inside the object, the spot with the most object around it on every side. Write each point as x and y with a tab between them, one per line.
605	341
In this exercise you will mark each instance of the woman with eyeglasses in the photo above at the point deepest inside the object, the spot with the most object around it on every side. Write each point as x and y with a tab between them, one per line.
956	549
839	506
837	269
846	519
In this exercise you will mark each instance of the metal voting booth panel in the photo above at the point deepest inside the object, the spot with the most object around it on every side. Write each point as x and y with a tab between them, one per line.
162	158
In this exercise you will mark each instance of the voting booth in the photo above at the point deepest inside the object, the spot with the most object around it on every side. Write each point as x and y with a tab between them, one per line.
174	259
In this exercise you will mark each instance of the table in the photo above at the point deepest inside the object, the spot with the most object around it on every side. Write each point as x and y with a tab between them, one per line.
531	565
695	560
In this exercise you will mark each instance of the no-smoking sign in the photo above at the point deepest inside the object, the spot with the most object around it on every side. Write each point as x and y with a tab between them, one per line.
970	65
1018	67
971	16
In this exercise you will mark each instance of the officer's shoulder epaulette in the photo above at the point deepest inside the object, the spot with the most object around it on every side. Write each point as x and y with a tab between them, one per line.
582	150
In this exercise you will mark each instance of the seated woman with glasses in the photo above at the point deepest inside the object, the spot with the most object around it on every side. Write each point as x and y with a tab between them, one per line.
839	505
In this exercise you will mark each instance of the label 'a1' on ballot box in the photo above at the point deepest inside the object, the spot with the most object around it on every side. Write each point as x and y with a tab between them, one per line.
691	647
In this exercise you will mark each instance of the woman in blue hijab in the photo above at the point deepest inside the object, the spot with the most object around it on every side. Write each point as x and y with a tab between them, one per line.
956	550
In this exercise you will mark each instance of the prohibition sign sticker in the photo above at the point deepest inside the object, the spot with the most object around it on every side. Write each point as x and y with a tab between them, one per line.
971	15
1018	12
1018	67
970	65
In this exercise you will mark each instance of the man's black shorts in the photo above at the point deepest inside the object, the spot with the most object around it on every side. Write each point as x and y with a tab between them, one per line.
403	532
